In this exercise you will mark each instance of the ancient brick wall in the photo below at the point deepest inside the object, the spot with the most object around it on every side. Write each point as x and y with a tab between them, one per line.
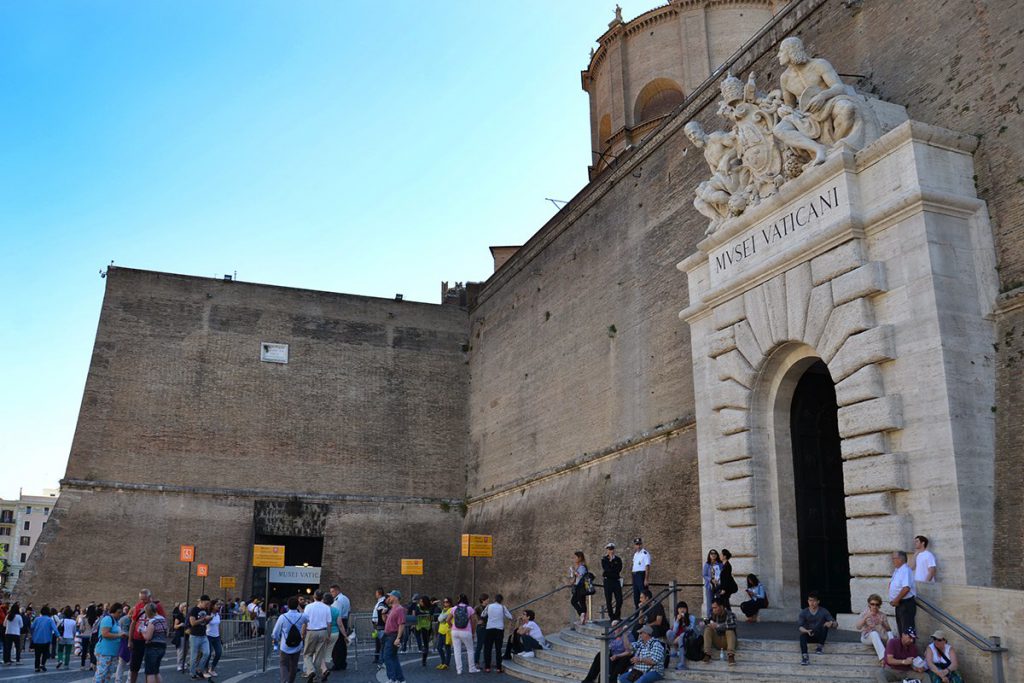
184	433
575	344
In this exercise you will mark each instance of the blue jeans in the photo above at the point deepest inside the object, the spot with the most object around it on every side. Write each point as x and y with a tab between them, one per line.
443	649
217	650
648	677
390	656
200	646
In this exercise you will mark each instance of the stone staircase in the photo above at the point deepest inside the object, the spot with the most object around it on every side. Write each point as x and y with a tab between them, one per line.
758	659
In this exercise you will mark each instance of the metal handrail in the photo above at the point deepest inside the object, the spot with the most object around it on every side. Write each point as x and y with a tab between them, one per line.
612	632
546	595
992	644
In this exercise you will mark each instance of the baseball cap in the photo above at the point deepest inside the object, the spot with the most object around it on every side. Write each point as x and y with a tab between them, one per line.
648	630
910	632
396	593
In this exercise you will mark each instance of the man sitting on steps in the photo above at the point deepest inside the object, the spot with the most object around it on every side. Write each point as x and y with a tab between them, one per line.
649	660
720	631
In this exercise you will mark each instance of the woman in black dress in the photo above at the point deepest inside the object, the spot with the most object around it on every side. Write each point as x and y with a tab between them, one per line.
726	583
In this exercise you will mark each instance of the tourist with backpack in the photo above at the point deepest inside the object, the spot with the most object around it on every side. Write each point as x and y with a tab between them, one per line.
287	636
463	623
583	585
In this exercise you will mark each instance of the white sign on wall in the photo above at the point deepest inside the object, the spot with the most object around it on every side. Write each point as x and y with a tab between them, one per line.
295	575
273	353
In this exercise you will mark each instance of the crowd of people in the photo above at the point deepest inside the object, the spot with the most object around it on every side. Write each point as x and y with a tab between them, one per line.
120	640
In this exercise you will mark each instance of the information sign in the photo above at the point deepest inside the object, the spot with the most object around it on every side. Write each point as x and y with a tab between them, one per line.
268	556
412	567
477	545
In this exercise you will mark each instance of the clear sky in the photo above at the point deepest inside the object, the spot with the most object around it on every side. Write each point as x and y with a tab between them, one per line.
351	146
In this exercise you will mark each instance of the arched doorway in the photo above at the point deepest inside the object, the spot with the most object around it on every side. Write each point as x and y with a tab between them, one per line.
818	489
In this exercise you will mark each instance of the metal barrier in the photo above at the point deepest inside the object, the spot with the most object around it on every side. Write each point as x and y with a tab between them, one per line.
992	644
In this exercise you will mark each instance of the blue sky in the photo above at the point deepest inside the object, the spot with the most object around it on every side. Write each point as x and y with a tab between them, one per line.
351	146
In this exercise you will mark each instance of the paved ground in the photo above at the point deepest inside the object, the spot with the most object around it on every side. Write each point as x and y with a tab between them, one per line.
239	665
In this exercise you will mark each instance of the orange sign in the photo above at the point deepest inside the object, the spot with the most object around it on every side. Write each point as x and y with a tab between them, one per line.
227	582
187	553
268	556
202	570
477	545
412	567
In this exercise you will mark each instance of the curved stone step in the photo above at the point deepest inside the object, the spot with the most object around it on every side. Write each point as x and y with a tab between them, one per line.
588	637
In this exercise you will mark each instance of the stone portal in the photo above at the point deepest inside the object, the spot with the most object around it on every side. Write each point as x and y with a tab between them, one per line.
879	265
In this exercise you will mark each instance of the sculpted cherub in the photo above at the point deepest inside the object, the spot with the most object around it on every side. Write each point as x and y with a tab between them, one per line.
722	194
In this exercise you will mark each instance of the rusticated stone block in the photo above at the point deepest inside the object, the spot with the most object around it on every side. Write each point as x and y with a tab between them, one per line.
864	281
877	415
737	469
818	309
729	313
739	517
863	445
798	292
870	504
732	420
721	342
757	314
738	493
734	366
845	321
730	394
866	535
863	385
876	473
747	343
871	566
777	308
873	346
732	447
741	542
834	263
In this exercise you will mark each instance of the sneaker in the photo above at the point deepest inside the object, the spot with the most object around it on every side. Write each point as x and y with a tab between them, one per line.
732	659
804	660
706	659
526	654
474	670
487	669
819	650
500	670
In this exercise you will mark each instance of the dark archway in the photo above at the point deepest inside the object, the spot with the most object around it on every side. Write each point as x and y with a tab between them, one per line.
818	482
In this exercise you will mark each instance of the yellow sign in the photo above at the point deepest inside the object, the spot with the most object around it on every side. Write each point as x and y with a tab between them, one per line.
412	567
187	553
227	582
268	556
477	545
202	569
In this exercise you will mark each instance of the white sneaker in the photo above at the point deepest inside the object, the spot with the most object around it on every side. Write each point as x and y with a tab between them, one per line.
474	671
526	654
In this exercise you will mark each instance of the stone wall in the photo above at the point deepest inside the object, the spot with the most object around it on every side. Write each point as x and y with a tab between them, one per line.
183	430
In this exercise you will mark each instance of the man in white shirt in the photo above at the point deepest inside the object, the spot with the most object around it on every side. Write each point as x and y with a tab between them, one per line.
641	570
923	561
530	636
316	634
901	592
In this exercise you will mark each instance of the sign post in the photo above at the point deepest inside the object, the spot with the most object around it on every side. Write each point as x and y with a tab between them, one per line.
412	568
477	545
267	556
203	570
187	553
227	582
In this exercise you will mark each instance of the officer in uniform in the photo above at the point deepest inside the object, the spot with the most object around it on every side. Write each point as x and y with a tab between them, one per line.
611	570
641	569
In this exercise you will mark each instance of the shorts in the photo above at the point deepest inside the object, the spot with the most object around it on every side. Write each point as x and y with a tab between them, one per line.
153	654
138	653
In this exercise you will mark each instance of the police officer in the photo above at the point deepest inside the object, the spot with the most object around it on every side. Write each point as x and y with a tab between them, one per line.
611	570
641	569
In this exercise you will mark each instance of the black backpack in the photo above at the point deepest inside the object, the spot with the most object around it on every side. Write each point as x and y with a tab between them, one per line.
588	584
294	637
461	617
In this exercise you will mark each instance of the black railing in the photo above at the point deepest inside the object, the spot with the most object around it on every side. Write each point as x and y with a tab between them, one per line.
670	591
992	644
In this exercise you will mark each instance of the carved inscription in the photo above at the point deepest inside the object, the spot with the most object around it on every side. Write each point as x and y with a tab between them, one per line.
776	234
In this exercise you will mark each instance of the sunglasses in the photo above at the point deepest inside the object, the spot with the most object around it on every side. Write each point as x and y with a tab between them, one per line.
875	604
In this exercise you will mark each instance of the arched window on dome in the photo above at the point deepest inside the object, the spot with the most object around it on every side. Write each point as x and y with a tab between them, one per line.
656	99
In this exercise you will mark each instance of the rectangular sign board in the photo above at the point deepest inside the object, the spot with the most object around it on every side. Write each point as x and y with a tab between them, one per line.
477	545
227	582
295	575
268	556
187	553
202	569
412	567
